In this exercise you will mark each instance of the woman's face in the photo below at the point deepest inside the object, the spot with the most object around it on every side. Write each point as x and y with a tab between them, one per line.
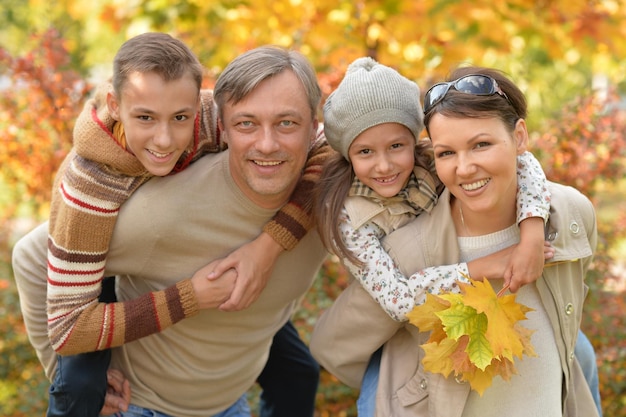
382	157
476	159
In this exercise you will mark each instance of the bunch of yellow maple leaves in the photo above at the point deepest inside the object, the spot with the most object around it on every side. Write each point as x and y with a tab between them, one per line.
475	335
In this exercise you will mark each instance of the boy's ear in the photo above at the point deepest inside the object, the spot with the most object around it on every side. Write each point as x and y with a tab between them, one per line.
113	106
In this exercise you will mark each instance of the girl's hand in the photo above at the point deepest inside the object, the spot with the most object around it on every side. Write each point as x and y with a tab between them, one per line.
526	264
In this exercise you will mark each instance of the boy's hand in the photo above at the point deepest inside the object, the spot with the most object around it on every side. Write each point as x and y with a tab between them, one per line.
211	293
254	263
117	398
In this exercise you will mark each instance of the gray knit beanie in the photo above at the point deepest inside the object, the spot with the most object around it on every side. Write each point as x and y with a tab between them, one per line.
370	94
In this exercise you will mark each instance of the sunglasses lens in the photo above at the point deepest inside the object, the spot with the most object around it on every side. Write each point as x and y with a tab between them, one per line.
434	95
475	84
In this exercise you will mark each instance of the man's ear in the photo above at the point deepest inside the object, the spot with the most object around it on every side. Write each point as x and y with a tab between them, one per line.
113	106
220	128
520	134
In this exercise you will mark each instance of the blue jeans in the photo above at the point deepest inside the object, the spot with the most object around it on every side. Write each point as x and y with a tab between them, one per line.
584	352
289	380
366	403
290	377
80	381
239	409
587	358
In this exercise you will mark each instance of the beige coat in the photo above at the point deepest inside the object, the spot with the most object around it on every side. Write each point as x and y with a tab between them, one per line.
355	326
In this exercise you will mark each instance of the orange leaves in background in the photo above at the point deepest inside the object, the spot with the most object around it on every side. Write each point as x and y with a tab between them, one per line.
475	335
38	106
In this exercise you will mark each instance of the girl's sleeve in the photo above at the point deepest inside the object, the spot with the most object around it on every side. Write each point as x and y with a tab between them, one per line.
295	219
85	205
533	197
382	279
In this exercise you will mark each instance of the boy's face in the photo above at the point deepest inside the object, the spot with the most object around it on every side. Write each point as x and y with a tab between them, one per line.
158	118
269	134
382	157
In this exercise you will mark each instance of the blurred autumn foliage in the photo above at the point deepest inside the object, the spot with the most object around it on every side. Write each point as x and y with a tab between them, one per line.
37	116
51	51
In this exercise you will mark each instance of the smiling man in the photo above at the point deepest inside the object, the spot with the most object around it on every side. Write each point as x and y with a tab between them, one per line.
204	364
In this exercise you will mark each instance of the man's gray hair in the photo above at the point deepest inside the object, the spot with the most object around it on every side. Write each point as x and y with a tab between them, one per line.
245	72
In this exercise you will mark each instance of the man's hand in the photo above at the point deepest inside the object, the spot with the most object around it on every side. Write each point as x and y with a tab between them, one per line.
254	263
118	393
211	293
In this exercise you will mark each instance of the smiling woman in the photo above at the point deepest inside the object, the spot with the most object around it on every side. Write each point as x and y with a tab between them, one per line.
476	138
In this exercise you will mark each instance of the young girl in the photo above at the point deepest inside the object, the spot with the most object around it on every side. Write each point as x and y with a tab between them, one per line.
404	388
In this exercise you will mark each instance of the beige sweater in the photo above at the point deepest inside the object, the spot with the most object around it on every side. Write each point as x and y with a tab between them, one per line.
202	364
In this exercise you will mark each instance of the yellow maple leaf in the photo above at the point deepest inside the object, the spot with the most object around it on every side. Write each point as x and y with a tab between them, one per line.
504	368
502	314
423	316
437	356
460	359
474	335
460	319
478	379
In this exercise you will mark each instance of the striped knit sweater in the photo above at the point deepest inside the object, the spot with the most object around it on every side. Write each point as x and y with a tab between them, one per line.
96	178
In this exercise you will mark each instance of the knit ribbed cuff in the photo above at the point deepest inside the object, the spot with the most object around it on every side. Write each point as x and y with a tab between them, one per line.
188	299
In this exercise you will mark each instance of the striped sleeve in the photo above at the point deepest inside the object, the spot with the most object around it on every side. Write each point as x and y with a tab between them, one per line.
295	219
85	206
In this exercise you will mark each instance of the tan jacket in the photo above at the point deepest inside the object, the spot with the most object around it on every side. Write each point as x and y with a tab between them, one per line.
355	326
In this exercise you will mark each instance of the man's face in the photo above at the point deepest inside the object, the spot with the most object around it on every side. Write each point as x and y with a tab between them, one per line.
269	134
158	118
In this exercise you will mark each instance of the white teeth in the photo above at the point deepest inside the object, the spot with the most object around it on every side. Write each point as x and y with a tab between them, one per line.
158	155
267	163
384	180
475	185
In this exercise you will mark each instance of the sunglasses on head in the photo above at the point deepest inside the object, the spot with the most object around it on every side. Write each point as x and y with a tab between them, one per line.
475	84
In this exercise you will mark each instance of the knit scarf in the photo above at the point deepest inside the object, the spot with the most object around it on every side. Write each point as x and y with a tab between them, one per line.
119	134
420	192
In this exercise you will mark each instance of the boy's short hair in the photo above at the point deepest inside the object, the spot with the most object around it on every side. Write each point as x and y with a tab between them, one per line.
249	69
155	52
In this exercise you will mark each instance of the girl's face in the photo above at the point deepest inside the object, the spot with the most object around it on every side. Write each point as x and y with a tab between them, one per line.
476	159
382	157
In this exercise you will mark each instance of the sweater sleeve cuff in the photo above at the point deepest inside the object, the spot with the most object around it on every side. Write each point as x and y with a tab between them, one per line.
188	299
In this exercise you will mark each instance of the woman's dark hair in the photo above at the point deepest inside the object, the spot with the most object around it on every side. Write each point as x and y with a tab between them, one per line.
459	104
